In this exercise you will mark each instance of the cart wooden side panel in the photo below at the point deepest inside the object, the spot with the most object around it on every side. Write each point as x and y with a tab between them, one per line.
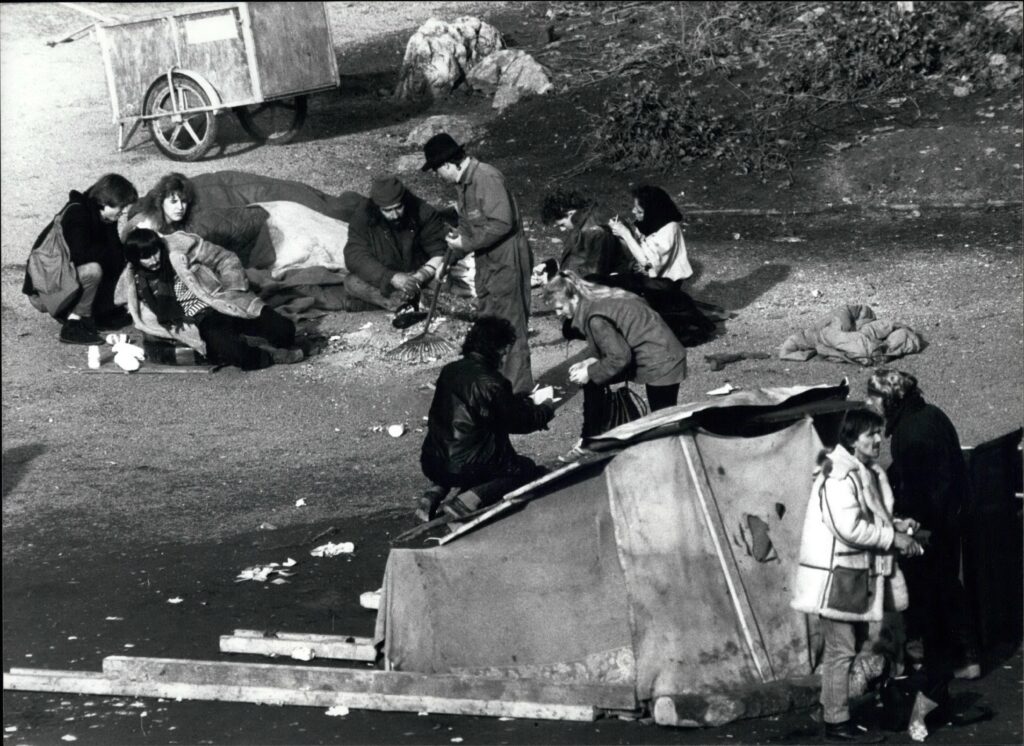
135	54
294	52
213	43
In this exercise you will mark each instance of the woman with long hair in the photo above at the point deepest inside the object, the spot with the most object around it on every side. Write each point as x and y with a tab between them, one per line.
629	341
183	280
656	238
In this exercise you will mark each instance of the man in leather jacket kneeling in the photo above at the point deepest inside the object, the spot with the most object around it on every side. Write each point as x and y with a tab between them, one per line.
467	447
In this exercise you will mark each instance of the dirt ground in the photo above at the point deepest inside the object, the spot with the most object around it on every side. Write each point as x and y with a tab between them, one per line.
121	492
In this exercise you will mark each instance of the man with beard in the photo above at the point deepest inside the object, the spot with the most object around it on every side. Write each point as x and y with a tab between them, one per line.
395	246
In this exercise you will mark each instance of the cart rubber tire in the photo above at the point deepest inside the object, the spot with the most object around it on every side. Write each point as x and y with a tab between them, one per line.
189	139
274	122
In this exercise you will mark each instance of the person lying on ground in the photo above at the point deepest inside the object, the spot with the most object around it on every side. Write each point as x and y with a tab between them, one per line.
396	244
474	410
627	339
491	228
656	238
187	288
85	232
849	533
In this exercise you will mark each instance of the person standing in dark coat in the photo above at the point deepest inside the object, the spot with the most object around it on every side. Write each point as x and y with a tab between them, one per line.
490	228
88	225
929	479
467	446
395	246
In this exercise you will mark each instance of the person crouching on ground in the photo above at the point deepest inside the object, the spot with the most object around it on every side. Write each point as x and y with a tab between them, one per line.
847	574
474	409
82	295
185	280
395	246
629	341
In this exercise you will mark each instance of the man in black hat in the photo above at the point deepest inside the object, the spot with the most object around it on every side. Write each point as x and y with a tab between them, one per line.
491	228
396	242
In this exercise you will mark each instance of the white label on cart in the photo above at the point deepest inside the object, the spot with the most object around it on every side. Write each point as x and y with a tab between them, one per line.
212	28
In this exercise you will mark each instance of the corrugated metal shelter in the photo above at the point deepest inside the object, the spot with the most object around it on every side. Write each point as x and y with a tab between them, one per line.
665	563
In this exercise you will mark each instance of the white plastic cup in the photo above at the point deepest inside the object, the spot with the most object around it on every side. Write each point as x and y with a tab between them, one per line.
94	356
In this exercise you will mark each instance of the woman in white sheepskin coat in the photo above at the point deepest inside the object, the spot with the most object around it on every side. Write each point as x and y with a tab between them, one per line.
849	530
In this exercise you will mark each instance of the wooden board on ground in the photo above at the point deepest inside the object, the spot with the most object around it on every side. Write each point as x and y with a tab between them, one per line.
606	696
93	683
298	645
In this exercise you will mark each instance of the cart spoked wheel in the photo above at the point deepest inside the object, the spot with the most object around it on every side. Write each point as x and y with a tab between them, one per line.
183	136
273	122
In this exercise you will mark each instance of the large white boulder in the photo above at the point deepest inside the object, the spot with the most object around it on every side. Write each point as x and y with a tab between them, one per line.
509	74
439	55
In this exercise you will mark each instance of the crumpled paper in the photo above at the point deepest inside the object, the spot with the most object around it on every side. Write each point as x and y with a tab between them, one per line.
333	550
262	573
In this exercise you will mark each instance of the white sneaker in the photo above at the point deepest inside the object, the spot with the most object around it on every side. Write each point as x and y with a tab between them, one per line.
577	452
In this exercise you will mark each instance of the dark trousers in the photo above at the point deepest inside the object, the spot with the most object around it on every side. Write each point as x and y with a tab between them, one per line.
225	345
935	614
658	397
487	493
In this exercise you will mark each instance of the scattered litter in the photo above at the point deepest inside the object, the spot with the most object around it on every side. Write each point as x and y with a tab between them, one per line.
338	711
262	573
788	239
72	637
266	527
300	502
735	236
504	720
278	581
370	599
11	729
69	737
423	714
289	563
728	388
306	654
129	644
333	550
334	338
396	431
816	293
457	739
175	600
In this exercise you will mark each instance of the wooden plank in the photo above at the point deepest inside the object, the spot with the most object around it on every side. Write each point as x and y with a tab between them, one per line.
78	682
446	686
255	642
293	49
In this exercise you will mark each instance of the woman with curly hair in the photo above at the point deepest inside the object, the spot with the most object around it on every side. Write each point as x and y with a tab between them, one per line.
656	238
930	483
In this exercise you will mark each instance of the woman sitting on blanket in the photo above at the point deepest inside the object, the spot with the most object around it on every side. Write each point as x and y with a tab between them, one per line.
656	239
186	288
170	206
